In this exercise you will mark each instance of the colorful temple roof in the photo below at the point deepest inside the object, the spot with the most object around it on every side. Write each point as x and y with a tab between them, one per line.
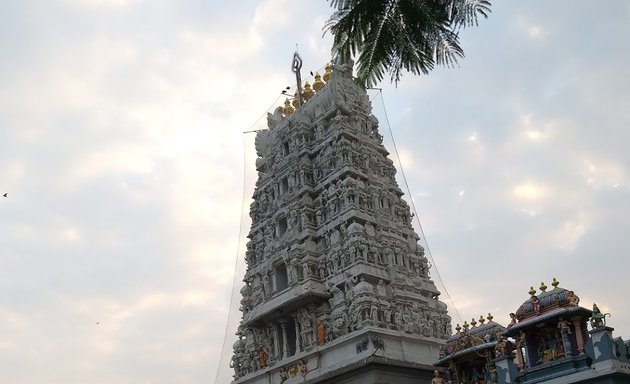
546	341
471	339
546	306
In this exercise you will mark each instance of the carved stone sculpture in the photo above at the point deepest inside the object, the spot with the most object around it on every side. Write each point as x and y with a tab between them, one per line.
329	229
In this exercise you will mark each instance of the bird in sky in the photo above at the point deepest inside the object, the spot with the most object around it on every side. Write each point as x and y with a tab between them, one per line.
98	323
5	195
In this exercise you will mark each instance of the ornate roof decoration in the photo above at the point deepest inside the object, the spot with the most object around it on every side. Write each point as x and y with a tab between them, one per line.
546	301
472	338
546	341
332	254
546	305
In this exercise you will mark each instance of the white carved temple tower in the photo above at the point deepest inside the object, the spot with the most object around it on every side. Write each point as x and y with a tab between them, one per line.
337	287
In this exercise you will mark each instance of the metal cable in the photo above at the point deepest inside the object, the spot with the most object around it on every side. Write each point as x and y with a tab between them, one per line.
240	236
413	206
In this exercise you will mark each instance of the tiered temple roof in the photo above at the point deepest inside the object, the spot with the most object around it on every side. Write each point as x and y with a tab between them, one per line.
546	341
335	273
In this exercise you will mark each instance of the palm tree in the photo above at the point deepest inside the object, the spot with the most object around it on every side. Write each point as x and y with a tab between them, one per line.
396	35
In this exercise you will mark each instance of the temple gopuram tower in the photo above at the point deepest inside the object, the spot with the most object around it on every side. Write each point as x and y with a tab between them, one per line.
337	288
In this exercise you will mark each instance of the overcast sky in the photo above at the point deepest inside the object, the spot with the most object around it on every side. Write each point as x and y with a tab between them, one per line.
123	155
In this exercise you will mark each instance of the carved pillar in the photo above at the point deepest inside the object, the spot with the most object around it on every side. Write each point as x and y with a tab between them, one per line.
285	341
566	343
519	358
276	345
579	334
298	345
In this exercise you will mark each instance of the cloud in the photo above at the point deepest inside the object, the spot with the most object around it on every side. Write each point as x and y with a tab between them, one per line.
123	155
571	231
529	191
535	32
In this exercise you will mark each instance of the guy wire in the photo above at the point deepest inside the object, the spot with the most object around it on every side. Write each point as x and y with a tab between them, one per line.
413	206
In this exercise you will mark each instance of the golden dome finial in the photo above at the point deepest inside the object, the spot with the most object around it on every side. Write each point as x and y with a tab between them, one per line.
466	325
296	100
490	317
543	287
458	328
288	109
473	322
327	72
555	283
532	291
318	84
308	91
482	320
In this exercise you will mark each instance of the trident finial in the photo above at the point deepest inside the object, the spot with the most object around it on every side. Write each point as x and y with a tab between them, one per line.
296	65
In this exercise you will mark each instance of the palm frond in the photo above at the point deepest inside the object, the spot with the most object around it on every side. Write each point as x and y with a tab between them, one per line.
447	49
400	35
465	13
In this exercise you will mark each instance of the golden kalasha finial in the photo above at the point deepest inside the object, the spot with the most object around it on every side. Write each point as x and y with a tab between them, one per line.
555	283
489	317
308	91
318	84
296	101
473	322
327	72
458	328
466	325
543	287
481	320
532	291
288	109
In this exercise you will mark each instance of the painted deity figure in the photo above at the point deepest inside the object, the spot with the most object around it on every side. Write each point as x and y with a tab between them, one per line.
302	368
437	379
512	320
536	304
262	357
284	375
563	325
598	319
559	345
321	333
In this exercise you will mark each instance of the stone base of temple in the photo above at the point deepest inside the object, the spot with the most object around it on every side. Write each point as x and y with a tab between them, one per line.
378	370
370	355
